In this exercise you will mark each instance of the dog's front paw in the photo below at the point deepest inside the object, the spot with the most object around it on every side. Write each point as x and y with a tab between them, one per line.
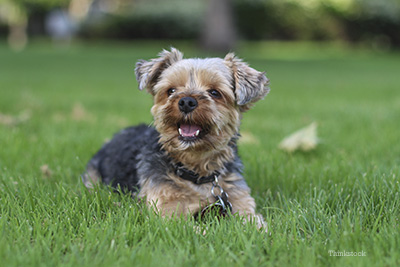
258	221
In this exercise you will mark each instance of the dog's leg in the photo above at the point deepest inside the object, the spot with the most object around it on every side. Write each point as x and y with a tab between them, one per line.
168	200
91	177
244	205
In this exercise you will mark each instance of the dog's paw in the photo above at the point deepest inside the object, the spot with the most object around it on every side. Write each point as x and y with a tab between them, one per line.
258	221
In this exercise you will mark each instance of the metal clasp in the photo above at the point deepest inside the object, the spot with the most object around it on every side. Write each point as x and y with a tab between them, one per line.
221	198
221	206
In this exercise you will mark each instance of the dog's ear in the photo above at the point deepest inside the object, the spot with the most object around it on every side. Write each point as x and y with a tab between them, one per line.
148	72
249	84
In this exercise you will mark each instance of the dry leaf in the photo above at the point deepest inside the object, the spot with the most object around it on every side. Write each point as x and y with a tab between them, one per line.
304	139
46	172
10	120
248	138
79	113
7	119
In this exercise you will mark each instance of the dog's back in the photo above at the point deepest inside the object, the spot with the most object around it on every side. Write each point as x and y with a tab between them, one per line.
116	162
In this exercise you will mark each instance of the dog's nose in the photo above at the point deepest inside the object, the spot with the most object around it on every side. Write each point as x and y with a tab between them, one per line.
187	104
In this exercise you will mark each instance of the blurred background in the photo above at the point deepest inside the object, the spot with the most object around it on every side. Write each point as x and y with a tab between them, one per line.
215	24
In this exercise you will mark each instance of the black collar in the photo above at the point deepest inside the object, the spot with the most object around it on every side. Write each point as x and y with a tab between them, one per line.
189	175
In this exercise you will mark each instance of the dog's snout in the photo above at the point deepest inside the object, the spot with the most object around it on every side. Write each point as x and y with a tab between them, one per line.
187	104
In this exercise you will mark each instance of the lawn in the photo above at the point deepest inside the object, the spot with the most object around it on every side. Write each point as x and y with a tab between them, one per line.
57	106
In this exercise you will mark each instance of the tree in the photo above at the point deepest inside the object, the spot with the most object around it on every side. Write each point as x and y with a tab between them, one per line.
219	30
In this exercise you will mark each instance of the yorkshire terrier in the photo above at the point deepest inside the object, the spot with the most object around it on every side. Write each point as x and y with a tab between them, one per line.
188	163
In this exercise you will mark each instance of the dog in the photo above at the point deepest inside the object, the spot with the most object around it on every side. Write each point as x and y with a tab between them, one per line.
188	162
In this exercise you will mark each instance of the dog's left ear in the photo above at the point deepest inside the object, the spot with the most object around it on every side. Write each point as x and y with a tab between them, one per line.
148	72
249	84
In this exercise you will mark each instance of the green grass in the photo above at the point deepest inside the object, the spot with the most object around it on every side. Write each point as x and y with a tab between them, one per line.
58	106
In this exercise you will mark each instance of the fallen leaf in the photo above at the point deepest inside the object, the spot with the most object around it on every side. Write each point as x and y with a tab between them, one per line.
7	119
79	113
304	139
10	120
46	172
248	138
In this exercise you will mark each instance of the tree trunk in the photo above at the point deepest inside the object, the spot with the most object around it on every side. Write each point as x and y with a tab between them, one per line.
219	33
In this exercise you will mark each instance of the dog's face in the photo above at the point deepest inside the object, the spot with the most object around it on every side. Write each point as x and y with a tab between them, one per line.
198	102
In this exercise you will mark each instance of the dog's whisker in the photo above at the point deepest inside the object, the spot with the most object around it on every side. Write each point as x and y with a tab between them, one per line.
151	124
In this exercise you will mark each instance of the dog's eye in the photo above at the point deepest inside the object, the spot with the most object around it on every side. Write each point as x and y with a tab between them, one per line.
214	93
171	91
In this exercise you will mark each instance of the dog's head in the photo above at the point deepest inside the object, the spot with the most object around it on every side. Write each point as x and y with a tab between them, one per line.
198	102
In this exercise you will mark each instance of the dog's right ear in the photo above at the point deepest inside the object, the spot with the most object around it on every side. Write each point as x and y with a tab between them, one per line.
148	72
249	84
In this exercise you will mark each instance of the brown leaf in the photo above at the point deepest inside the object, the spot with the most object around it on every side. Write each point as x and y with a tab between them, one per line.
46	172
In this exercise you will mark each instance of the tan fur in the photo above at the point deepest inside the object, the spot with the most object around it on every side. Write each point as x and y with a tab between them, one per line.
91	178
184	197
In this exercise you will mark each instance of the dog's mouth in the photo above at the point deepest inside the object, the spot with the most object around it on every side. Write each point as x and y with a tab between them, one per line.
190	132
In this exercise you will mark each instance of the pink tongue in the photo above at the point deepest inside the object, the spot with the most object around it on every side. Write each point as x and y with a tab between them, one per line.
188	130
